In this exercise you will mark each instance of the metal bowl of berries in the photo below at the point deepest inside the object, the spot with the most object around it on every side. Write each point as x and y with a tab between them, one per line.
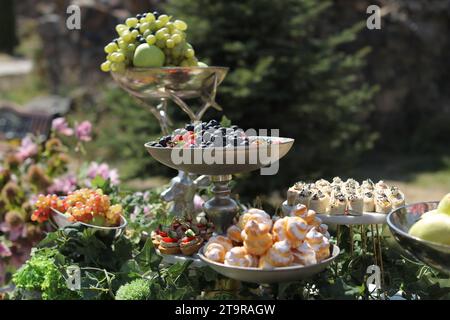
260	151
157	83
62	220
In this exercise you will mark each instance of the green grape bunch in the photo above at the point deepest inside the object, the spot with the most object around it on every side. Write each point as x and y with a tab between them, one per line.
150	40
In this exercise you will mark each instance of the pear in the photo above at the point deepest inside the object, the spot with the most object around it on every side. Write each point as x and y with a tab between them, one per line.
148	56
433	228
444	205
429	213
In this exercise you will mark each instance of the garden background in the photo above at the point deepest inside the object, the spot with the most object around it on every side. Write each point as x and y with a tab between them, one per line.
360	103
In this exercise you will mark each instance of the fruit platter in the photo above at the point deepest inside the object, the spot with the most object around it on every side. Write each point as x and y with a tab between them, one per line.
87	207
346	202
211	149
260	249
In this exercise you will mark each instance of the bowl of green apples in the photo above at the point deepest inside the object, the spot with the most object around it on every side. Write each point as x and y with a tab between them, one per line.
423	231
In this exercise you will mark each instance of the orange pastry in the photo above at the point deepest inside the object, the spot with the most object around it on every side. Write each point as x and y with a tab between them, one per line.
300	210
257	238
238	256
279	255
222	240
296	230
304	255
234	234
258	215
319	243
279	229
215	252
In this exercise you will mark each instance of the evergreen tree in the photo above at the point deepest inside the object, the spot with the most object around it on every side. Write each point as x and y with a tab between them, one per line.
291	69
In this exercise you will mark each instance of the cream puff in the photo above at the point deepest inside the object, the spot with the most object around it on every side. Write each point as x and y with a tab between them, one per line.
215	252
234	234
258	215
304	255
222	240
296	230
257	238
239	257
299	210
279	255
279	229
319	243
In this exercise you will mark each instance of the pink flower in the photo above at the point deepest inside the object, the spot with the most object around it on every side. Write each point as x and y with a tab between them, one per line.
95	169
4	250
14	232
27	149
63	185
83	131
60	125
198	203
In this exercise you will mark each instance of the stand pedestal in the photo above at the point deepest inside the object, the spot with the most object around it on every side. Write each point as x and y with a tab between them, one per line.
221	209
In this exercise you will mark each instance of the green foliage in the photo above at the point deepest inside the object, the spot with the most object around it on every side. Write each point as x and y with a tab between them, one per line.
138	289
288	70
42	274
144	212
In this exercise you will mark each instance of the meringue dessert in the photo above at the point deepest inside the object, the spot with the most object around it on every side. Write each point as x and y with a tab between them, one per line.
257	241
350	197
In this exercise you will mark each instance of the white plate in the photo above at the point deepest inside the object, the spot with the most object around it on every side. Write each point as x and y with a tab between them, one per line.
283	274
180	258
365	219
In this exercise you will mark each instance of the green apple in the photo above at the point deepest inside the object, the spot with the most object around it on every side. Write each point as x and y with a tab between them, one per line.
444	205
433	228
148	56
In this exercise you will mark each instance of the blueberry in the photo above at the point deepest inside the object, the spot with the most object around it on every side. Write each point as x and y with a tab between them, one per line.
132	28
189	127
156	14
234	127
163	142
144	15
214	122
139	16
159	145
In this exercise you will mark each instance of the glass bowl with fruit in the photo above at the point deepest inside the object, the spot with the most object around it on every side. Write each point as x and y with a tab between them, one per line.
151	58
90	208
423	231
